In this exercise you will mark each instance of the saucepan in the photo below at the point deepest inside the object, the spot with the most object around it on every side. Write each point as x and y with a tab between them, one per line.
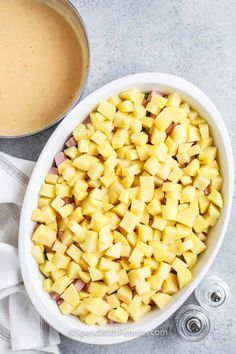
115	333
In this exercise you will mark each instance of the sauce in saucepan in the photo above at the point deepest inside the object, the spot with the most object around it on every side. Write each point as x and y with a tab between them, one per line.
41	63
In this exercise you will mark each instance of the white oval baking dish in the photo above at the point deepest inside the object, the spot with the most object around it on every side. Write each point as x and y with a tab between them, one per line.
116	333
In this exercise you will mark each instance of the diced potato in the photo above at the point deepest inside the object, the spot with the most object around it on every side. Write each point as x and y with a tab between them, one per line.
216	198
38	254
71	295
170	284
44	235
161	299
65	308
98	289
122	221
60	285
107	109
98	306
163	270
184	276
129	221
190	258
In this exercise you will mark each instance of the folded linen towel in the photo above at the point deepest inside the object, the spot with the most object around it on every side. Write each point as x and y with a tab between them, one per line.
21	327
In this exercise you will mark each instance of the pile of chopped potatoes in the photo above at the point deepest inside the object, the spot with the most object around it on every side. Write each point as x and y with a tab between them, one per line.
125	211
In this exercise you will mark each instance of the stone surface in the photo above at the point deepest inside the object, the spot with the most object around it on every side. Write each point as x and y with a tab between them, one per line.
193	39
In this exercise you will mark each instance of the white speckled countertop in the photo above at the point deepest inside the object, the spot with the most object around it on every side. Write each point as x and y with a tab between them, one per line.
194	39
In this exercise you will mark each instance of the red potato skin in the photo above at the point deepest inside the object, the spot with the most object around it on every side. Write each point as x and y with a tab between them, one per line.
55	296
71	142
53	171
59	158
170	128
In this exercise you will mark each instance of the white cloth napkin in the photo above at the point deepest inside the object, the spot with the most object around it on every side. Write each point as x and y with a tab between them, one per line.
21	327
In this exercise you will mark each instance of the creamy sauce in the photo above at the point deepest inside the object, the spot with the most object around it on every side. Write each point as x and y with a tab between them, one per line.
41	64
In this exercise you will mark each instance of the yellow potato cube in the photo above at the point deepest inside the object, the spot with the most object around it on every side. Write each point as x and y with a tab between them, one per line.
159	223
137	207
84	162
97	289
115	100
169	212
47	190
90	243
173	100
47	285
201	182
170	284
198	245
73	270
95	274
144	309
98	221
129	221
63	190
126	106
107	109
216	198
74	252
190	258
200	224
193	134
37	216
133	94
124	294
161	299
57	203
184	276
158	100
208	155
175	175
179	133
187	217
71	295
188	194
106	264
144	248
145	233
114	251
65	308
61	261
192	168
139	138
153	108
169	235
60	285
216	183
151	165
135	304
155	282
177	264
113	301
123	277
163	270
90	259
66	210
106	150
44	235
169	115
98	306
38	254
136	257
146	190
214	211
142	287
121	315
